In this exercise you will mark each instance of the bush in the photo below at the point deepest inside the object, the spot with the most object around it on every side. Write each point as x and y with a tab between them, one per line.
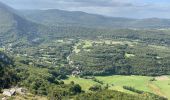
95	88
98	81
75	89
61	82
152	79
133	89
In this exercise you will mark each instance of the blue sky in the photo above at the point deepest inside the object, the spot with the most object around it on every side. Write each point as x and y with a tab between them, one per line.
116	8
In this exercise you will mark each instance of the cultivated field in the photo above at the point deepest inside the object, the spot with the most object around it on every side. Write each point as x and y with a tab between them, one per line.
160	86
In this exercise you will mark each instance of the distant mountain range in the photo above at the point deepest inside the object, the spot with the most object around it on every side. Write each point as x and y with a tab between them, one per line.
60	17
28	25
14	27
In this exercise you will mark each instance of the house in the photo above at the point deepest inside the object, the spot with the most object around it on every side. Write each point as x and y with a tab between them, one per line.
75	72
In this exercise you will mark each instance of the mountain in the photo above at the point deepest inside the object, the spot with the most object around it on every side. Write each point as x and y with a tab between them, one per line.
27	26
54	17
57	17
14	27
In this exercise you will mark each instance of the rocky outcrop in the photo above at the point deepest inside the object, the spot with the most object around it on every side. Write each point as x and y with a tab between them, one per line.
13	91
9	92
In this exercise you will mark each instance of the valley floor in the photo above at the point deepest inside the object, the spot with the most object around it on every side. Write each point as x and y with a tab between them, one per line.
161	86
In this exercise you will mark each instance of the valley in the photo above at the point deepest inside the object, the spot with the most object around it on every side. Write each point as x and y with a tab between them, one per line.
54	54
77	61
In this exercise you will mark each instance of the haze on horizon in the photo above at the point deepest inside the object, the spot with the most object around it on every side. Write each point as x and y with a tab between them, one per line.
114	8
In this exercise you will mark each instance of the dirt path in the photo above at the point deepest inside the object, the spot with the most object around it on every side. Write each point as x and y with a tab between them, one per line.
155	89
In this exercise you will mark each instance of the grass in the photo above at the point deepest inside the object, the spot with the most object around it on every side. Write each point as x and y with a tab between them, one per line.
138	82
116	82
76	50
164	86
161	87
84	83
2	49
87	44
129	55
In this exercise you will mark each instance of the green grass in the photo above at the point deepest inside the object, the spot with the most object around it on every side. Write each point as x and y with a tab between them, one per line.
87	44
76	50
116	82
2	49
84	83
138	82
164	87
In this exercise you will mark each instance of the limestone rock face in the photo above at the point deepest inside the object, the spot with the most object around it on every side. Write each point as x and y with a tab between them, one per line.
4	98
7	93
21	91
10	92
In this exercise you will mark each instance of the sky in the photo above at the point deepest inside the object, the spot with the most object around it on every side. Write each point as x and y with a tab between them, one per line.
115	8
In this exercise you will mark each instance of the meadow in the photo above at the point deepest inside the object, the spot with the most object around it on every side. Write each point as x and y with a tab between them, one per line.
160	86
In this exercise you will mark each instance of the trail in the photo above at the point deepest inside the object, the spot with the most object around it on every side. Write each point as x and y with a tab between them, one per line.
73	50
155	89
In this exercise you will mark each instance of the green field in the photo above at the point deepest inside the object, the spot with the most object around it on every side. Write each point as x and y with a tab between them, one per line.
160	87
85	83
164	87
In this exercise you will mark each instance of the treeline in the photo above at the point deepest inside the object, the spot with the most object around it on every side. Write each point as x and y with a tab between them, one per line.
115	95
133	89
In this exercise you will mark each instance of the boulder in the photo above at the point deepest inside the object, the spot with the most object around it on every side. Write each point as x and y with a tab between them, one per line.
13	91
21	91
10	92
4	98
7	93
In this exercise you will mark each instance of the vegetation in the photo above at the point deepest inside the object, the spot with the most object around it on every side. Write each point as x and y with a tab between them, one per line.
42	57
7	72
108	58
115	95
133	89
116	82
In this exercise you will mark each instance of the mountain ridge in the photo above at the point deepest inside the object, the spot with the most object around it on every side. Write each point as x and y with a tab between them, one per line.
15	27
79	18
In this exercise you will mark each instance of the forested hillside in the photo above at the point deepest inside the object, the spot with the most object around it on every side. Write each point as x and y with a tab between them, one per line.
15	28
54	17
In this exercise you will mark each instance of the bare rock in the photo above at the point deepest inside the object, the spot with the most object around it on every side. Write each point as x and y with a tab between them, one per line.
7	93
4	98
21	91
10	92
13	91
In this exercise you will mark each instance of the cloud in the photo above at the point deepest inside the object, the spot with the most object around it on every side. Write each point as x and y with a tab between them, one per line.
118	8
67	3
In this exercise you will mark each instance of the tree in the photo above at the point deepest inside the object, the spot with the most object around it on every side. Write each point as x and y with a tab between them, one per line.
75	89
95	88
8	74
